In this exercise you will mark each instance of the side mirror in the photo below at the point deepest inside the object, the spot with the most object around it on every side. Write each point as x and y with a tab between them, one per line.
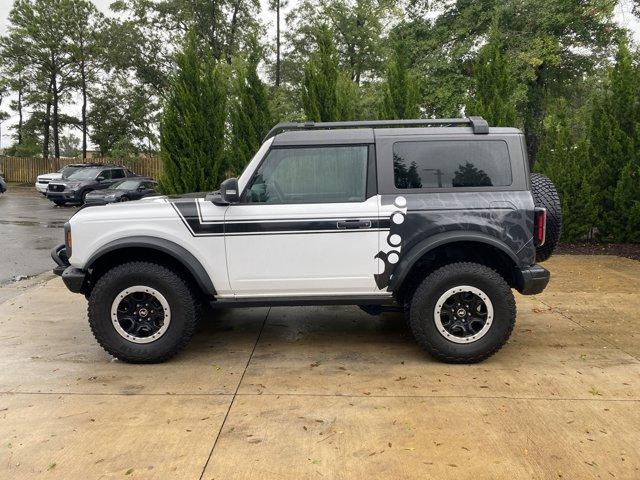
141	188
229	193
99	179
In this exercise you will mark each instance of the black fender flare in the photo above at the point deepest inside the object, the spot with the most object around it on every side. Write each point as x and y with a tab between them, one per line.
409	258
177	252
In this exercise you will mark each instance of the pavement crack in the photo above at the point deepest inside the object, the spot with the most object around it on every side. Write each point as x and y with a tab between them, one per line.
585	328
235	394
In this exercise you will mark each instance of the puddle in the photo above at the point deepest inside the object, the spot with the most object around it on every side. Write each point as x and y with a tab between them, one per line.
33	223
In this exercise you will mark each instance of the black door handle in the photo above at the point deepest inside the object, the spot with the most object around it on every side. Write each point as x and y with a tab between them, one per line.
353	224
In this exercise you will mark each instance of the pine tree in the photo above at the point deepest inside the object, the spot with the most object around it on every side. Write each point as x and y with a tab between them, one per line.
495	85
348	98
613	140
193	124
319	97
400	97
563	157
627	203
251	116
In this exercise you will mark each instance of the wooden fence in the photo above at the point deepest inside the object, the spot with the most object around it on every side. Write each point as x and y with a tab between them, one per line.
27	169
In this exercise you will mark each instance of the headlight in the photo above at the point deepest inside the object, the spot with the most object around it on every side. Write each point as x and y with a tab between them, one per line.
111	196
73	185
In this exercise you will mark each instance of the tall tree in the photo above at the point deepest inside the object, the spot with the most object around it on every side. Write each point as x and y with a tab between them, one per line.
276	6
320	79
495	85
400	96
613	138
86	46
193	123
251	116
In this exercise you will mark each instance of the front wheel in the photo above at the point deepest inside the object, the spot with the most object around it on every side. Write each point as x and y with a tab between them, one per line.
141	312
462	313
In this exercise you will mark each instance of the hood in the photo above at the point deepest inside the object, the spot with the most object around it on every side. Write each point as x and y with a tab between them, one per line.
50	176
105	192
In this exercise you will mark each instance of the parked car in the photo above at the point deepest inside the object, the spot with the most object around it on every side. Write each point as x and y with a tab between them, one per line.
133	188
3	185
440	219
75	188
42	182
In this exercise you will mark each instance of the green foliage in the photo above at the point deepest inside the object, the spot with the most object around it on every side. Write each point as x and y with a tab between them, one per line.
251	116
564	158
193	124
495	85
400	97
320	80
627	203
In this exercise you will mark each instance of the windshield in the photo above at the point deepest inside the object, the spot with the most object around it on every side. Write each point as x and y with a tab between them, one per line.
126	185
66	171
85	174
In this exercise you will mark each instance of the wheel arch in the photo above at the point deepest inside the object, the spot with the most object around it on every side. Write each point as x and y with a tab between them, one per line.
151	249
450	247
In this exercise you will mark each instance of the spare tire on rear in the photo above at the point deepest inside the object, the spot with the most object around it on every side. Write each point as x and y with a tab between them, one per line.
545	195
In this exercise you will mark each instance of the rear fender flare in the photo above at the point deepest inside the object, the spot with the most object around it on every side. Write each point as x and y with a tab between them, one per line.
409	259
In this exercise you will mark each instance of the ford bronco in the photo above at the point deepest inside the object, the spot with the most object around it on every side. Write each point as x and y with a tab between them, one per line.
438	218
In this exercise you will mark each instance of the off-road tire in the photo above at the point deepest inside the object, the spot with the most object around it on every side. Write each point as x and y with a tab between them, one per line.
545	195
181	299
423	302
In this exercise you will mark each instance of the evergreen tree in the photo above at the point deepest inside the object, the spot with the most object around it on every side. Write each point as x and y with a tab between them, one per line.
613	140
400	97
251	116
348	98
563	157
493	96
627	203
193	124
319	97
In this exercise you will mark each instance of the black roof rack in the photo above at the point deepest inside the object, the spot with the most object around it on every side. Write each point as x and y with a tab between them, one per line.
478	124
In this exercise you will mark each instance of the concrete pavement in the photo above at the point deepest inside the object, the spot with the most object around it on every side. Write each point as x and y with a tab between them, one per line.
330	393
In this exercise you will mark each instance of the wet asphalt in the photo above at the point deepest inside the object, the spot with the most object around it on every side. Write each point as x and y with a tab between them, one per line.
30	226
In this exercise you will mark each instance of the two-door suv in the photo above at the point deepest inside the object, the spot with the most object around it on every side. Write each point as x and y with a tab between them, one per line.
438	218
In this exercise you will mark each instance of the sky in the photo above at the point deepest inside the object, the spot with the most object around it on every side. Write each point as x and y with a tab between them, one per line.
623	16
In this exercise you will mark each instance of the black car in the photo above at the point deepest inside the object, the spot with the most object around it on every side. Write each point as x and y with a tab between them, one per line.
3	185
75	188
123	191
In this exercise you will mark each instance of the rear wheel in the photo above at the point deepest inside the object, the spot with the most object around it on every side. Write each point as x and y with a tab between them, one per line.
142	312
462	313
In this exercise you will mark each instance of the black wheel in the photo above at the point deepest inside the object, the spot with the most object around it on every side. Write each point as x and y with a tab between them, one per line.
142	312
124	198
545	195
462	313
59	203
83	197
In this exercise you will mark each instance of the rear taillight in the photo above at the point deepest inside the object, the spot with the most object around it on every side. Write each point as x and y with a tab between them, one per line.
540	225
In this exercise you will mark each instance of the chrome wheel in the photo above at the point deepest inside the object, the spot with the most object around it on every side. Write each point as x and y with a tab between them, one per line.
140	314
463	314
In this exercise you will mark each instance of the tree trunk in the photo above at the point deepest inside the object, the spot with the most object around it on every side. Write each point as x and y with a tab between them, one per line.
46	125
84	109
20	121
232	33
55	121
277	43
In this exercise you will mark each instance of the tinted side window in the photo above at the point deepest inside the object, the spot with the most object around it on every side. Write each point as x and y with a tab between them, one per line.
451	164
117	173
106	174
311	175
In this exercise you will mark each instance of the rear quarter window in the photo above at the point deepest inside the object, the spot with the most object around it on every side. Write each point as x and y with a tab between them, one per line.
451	164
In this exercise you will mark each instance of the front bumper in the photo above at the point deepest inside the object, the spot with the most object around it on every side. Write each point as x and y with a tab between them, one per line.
532	280
67	195
74	278
42	187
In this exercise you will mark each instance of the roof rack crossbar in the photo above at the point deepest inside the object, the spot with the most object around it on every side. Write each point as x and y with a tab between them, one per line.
478	124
